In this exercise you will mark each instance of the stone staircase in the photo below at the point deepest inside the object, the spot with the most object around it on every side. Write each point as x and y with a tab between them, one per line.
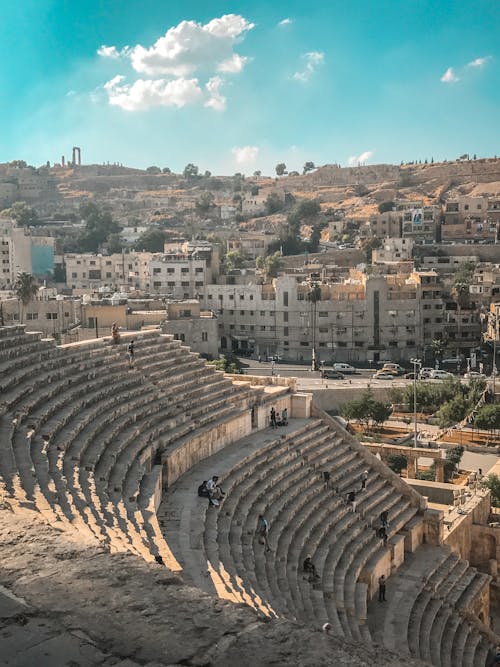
81	431
279	473
428	615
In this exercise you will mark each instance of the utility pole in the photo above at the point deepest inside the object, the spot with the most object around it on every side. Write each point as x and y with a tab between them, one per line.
415	362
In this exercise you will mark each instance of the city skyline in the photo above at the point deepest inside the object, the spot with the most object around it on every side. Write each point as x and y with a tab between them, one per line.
241	86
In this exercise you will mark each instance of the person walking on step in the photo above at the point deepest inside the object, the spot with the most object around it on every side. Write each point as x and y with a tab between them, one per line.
351	499
382	533
364	479
381	588
326	479
263	531
130	352
272	416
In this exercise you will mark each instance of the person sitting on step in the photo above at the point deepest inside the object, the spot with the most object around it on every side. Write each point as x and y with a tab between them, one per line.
310	568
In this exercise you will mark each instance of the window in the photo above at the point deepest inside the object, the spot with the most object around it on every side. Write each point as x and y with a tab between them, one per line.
204	336
323	313
51	316
251	297
285	299
108	275
304	344
74	275
156	270
157	283
185	313
231	297
92	262
170	270
199	269
252	328
262	327
285	317
185	283
231	312
31	316
242	296
323	329
171	283
242	312
285	331
210	297
262	313
231	326
198	283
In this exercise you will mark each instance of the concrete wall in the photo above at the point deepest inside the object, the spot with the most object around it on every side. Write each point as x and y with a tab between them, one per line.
435	491
332	399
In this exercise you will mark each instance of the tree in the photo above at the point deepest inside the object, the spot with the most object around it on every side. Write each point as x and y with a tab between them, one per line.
309	166
269	265
370	244
207	174
153	170
385	206
23	214
488	417
151	240
397	463
257	173
190	171
98	226
114	243
366	408
452	411
452	461
25	289
492	482
281	169
234	259
273	203
438	347
166	170
204	202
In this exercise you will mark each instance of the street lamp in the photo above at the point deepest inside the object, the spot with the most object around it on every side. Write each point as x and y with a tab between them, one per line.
415	362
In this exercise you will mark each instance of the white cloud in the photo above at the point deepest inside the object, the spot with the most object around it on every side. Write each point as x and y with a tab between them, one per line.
233	65
286	21
479	62
190	46
245	155
216	101
108	52
312	60
147	93
359	159
449	76
175	63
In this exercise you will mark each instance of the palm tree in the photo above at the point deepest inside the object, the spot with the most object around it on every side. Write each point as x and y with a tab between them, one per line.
25	288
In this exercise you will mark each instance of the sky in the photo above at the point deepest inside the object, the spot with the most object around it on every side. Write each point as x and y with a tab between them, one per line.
240	86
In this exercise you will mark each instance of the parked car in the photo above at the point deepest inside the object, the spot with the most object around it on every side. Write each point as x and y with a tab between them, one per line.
410	376
396	369
276	358
384	375
332	374
474	375
425	373
440	375
344	368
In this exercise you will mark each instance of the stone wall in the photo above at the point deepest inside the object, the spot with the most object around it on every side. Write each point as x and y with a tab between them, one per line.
202	445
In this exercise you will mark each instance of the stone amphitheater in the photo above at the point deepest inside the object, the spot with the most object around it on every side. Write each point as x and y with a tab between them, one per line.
109	557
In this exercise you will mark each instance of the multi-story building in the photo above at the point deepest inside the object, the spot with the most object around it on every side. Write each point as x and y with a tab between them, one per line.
23	250
180	274
471	219
418	221
393	250
386	225
250	244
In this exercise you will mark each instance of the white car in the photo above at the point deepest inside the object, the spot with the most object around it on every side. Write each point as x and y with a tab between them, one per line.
344	368
440	375
425	373
474	375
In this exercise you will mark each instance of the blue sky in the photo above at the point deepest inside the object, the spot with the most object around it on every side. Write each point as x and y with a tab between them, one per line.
240	86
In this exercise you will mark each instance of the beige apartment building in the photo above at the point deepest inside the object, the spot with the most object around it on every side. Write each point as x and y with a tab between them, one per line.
356	319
